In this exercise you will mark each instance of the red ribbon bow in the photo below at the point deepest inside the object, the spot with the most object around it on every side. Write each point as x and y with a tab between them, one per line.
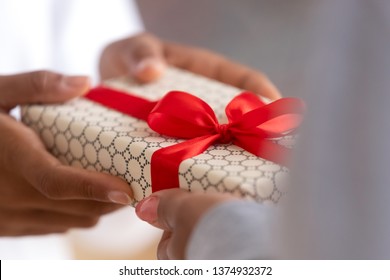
252	125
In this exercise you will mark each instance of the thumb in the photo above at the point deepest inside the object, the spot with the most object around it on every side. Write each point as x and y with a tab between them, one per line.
40	87
146	58
177	212
168	208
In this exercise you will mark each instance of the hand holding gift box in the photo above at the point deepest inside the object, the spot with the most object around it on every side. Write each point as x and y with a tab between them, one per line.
86	134
38	195
32	178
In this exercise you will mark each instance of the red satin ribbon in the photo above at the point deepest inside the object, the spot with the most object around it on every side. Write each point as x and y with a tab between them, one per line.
251	125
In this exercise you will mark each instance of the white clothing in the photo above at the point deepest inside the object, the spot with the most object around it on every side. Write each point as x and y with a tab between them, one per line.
65	36
338	204
233	230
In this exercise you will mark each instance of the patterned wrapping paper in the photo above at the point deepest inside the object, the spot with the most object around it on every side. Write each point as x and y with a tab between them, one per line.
84	134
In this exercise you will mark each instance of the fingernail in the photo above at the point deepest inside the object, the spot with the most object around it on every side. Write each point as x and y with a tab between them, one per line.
119	197
149	69
75	81
147	209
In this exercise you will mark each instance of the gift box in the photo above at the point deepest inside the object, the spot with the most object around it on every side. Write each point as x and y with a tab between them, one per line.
86	134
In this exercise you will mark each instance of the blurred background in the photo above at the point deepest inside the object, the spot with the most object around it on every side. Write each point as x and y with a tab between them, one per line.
271	36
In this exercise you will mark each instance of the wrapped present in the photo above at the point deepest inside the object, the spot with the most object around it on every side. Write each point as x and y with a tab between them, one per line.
156	140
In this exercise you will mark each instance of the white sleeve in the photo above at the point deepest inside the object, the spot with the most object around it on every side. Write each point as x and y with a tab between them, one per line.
232	230
338	204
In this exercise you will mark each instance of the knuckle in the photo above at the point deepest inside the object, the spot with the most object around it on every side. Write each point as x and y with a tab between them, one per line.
86	188
42	81
179	212
39	80
46	186
57	182
49	184
143	44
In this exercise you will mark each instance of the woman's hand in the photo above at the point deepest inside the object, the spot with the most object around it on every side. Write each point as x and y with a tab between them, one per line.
177	212
39	195
145	57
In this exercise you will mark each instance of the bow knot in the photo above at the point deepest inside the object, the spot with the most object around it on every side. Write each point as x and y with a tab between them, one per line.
225	135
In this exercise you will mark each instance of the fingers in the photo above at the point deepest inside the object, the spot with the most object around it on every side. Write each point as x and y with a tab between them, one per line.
64	182
169	211
168	208
156	210
176	212
16	193
217	67
146	57
140	56
40	87
71	207
33	222
77	207
21	151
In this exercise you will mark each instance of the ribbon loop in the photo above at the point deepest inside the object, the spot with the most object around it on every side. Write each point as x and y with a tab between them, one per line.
182	115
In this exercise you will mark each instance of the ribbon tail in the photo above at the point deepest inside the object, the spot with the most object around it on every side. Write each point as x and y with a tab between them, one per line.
268	150
128	104
165	162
